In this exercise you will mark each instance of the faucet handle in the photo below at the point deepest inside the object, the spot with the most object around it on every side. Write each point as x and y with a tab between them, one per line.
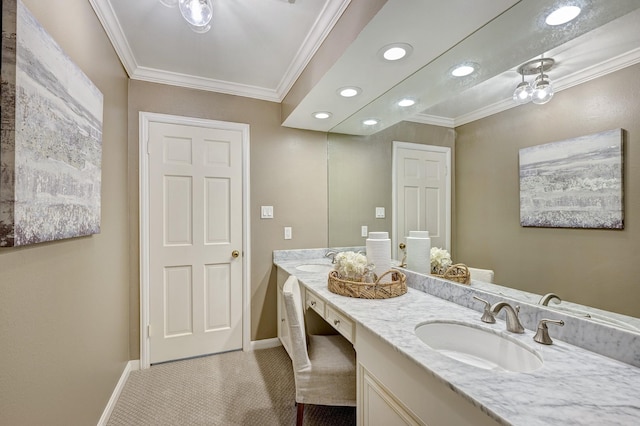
487	315
542	335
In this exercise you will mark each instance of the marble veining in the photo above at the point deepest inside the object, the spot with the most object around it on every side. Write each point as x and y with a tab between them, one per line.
575	386
601	338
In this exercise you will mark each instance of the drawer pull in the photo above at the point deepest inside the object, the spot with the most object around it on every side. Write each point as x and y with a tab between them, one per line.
336	322
282	320
313	303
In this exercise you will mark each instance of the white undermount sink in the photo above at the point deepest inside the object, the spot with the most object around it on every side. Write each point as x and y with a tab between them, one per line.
480	347
315	267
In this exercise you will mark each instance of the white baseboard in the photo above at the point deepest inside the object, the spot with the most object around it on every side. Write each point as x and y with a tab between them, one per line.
131	366
265	344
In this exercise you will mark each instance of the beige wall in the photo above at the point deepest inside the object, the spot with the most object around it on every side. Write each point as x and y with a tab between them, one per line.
288	171
360	177
593	267
63	305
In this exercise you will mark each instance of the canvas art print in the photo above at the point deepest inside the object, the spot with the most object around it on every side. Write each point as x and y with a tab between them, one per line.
575	183
51	146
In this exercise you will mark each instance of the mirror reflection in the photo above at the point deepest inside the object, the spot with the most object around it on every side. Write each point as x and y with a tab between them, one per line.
594	272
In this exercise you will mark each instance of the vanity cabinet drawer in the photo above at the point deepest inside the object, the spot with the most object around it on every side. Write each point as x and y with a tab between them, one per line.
340	322
314	302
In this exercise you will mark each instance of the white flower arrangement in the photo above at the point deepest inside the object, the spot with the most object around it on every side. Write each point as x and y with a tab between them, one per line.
440	260
352	266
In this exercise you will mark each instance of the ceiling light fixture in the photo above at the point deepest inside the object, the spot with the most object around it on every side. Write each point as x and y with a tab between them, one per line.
395	51
562	15
406	102
541	91
197	13
370	121
322	115
463	70
349	92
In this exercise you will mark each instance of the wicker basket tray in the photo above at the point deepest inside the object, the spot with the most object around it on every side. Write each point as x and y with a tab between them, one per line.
397	287
458	273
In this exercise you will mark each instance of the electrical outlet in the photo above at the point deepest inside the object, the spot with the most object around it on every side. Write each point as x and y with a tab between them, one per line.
288	233
364	231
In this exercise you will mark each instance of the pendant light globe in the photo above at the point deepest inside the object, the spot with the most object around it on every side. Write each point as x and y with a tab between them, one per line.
197	13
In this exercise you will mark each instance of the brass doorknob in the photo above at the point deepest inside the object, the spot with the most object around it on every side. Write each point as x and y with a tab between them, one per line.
235	253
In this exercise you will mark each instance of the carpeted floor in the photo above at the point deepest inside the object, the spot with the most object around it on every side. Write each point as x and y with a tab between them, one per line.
234	388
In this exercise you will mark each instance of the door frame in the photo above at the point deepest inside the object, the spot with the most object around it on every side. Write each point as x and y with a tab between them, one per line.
145	118
394	200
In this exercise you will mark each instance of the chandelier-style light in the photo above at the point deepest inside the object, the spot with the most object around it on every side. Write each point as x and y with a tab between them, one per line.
197	13
541	90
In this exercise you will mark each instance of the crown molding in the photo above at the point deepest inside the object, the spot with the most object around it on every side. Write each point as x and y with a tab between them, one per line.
321	28
112	27
614	64
587	74
153	75
431	119
325	21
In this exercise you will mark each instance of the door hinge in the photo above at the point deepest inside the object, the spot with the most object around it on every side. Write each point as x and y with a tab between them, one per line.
148	330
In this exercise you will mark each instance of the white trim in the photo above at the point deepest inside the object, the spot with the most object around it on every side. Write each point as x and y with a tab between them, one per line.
145	118
112	27
111	404
609	66
274	342
195	82
432	119
321	28
394	205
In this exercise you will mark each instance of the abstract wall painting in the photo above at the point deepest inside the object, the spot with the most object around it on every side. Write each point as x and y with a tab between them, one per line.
51	141
576	183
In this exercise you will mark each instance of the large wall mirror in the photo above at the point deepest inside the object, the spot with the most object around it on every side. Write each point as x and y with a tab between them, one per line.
586	268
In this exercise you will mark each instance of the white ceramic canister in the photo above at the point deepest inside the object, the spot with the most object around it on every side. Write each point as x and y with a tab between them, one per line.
379	253
419	252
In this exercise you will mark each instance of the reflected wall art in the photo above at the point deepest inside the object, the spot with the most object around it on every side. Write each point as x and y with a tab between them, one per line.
576	183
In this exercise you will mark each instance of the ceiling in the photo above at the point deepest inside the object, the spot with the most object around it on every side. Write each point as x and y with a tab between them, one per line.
259	48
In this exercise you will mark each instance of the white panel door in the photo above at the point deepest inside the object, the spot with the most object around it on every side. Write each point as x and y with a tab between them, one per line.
423	193
195	241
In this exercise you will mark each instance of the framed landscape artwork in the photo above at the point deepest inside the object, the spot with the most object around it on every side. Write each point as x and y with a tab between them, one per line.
576	183
51	143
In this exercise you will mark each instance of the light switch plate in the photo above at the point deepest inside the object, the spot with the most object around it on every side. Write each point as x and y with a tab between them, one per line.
288	233
266	212
379	212
364	231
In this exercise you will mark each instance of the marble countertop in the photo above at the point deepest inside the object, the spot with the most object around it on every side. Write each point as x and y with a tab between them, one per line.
573	387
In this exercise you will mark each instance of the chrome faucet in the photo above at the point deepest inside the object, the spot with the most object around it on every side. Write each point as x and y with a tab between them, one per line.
331	255
544	300
513	322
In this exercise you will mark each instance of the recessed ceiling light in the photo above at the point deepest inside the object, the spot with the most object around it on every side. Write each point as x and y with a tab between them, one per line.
370	122
562	15
322	115
395	51
349	92
406	102
463	70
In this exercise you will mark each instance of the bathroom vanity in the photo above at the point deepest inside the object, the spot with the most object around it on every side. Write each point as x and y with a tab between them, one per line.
402	380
